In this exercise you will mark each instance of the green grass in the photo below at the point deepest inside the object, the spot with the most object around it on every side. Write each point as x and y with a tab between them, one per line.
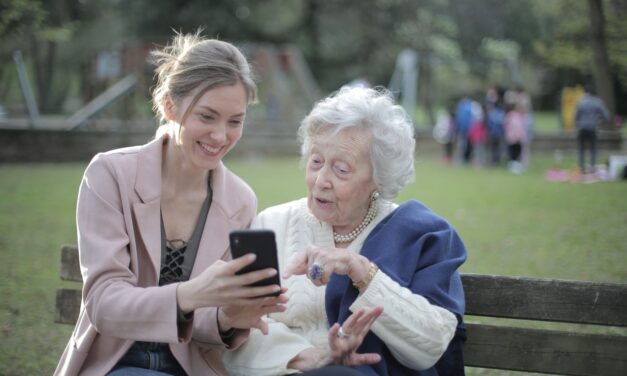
515	225
512	225
524	225
36	216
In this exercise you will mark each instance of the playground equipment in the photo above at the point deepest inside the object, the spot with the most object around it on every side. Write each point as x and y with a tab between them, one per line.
84	114
286	85
102	101
287	88
29	98
405	79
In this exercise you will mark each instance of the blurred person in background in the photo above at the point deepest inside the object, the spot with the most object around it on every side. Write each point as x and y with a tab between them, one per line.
494	120
478	134
591	112
463	122
520	99
515	137
444	134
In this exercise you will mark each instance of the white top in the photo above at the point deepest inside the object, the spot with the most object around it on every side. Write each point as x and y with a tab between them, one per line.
416	332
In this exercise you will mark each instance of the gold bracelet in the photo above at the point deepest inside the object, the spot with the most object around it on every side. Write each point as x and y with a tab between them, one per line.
366	281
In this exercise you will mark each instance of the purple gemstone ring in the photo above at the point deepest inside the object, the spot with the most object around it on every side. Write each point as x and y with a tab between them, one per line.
315	271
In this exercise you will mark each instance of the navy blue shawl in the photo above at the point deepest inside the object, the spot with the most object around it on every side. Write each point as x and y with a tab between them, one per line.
421	251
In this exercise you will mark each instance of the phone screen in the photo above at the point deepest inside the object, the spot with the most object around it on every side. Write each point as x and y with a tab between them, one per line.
262	243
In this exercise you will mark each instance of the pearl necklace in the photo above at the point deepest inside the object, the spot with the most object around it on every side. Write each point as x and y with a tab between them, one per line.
372	212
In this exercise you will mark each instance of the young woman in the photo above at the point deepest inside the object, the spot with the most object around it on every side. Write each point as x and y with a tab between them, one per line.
159	295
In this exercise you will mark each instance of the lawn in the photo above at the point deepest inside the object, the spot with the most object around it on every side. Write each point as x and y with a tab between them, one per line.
512	225
515	225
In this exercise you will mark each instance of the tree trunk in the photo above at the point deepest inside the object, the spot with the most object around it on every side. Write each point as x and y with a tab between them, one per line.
602	72
44	67
311	25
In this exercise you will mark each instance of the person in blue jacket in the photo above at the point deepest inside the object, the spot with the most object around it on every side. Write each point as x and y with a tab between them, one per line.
591	112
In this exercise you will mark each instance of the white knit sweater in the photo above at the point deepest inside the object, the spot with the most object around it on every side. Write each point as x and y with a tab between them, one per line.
416	332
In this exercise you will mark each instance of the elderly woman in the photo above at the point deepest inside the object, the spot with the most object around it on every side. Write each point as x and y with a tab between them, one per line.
346	250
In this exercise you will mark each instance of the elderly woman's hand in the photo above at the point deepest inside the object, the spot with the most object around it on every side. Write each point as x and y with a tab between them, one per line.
343	344
344	340
319	263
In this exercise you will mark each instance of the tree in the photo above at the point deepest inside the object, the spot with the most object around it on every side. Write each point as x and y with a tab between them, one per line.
462	45
17	17
602	72
38	28
44	44
592	42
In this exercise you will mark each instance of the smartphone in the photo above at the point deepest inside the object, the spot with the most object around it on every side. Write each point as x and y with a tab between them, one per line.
263	244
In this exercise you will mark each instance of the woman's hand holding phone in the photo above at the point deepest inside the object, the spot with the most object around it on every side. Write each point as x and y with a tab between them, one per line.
219	286
245	288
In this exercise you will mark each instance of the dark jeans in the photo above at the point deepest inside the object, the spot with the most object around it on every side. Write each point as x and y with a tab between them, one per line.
149	356
494	143
514	151
587	139
332	371
448	150
468	149
134	371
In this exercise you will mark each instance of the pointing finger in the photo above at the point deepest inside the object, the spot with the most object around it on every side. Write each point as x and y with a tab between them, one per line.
297	266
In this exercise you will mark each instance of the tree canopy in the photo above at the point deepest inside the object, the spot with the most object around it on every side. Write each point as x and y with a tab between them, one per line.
462	45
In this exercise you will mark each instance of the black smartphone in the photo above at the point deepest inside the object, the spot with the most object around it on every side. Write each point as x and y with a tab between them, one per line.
262	244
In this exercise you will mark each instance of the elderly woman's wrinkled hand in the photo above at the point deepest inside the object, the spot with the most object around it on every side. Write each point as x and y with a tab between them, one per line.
343	343
344	340
319	263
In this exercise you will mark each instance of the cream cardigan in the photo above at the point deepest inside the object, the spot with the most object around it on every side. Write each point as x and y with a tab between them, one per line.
416	332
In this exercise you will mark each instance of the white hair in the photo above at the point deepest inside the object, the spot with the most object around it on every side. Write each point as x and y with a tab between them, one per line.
373	110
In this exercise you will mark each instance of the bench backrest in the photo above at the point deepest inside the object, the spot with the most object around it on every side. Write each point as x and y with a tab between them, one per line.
516	347
513	345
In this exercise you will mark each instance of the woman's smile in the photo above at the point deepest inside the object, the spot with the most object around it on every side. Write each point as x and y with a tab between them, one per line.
210	151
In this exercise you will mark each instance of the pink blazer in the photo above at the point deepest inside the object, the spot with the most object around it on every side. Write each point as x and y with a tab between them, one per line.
119	238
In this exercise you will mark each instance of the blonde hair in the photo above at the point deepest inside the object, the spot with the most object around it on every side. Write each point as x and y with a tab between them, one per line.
192	64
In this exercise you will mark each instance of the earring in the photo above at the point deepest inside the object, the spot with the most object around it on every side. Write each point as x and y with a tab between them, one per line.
375	196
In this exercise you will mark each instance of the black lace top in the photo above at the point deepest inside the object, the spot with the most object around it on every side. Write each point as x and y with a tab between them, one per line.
178	256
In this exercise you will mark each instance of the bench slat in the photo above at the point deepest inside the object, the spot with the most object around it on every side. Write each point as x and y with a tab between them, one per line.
70	266
547	351
68	305
543	299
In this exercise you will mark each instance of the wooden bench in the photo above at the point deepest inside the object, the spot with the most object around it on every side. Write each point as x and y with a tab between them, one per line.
68	300
512	345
